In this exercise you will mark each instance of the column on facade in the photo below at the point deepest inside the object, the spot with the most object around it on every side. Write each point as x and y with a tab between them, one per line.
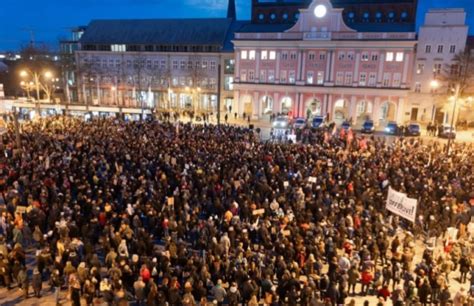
406	70
333	66
325	106
276	102
237	65
257	66
301	63
355	81
330	107
256	105
381	67
277	68
400	110
327	73
237	103
353	109
376	111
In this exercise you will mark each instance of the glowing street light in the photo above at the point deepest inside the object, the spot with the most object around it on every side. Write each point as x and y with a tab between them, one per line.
434	84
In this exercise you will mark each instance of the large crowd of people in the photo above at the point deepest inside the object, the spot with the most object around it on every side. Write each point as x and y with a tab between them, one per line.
179	214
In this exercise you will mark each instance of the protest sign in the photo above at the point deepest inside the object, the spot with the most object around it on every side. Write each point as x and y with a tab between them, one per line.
258	212
400	204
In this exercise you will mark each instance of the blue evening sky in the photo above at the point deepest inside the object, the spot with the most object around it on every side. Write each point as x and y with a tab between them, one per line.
51	19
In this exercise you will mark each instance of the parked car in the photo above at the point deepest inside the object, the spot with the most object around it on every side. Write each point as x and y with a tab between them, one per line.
346	125
445	131
368	127
413	129
281	122
299	123
318	121
392	128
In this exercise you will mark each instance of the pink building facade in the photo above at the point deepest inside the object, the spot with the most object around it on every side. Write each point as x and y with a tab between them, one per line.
320	66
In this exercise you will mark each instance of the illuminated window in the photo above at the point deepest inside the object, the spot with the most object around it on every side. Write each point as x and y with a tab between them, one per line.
264	55
310	77
399	57
272	55
252	55
389	57
244	54
118	48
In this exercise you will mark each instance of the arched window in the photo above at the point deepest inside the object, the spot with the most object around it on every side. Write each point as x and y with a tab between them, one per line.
404	15
273	16
285	16
297	16
261	16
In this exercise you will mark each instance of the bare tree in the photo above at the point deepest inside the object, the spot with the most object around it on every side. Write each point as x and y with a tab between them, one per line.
456	81
87	70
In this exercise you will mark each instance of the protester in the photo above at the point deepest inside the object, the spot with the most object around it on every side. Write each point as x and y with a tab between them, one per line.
190	214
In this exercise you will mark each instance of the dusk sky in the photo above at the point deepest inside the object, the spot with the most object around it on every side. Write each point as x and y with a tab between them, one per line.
51	19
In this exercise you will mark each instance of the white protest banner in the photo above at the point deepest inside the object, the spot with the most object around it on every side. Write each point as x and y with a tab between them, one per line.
452	233
400	204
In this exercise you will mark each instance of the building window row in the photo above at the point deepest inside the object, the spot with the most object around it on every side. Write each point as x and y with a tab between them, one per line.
378	16
392	56
151	48
440	49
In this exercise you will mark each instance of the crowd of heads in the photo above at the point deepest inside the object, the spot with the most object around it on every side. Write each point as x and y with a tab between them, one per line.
194	214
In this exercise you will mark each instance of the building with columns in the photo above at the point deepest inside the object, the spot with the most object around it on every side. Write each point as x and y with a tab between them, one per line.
322	64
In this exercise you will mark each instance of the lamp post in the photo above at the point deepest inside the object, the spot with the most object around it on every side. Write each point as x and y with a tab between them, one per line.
457	91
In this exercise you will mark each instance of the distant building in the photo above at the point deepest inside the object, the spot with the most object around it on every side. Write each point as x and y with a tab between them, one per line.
157	63
68	64
351	60
442	36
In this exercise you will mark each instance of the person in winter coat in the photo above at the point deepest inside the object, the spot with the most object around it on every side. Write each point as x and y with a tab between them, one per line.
23	281
89	291
139	288
465	266
424	292
37	283
444	296
56	281
354	276
218	292
233	296
75	291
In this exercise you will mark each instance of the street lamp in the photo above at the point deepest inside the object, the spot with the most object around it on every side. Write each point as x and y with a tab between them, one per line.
457	92
434	84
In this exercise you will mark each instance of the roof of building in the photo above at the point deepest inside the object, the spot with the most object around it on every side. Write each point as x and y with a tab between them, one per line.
205	31
264	28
